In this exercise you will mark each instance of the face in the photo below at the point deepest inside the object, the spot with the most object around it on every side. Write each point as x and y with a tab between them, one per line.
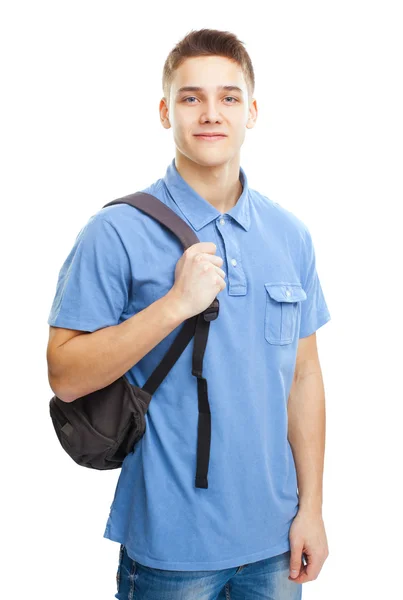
209	109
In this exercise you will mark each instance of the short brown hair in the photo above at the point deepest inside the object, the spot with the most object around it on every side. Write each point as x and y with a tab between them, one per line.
208	42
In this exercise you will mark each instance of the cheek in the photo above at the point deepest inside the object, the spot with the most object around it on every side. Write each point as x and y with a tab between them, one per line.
184	127
182	138
242	134
238	132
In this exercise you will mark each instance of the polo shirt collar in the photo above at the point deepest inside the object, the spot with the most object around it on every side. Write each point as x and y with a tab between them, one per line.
196	209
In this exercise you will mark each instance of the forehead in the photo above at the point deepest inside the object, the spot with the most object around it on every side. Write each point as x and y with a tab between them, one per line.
208	72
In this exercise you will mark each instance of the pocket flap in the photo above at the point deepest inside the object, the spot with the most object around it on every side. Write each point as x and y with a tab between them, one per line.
285	292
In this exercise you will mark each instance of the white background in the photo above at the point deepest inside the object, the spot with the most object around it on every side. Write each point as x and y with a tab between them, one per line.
81	85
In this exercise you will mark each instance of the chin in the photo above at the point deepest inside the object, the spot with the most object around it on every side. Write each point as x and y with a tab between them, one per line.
209	159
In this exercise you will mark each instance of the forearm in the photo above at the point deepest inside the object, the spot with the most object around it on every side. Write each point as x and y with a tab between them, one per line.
92	361
306	435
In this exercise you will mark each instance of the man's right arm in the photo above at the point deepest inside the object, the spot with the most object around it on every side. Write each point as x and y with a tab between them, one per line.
87	362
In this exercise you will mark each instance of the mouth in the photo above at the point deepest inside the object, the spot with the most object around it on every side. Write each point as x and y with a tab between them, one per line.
211	138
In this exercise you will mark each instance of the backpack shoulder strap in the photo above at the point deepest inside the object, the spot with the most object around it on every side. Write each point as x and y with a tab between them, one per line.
155	208
197	327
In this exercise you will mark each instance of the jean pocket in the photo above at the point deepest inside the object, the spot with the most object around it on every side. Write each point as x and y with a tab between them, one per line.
125	575
282	308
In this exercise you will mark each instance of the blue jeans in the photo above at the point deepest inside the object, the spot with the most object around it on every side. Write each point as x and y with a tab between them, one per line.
264	579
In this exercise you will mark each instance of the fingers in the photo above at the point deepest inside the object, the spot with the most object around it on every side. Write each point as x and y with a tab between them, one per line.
212	258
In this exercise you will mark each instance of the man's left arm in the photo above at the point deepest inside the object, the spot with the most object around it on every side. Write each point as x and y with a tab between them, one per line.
306	435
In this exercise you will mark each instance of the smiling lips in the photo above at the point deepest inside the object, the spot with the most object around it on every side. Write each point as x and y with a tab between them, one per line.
211	137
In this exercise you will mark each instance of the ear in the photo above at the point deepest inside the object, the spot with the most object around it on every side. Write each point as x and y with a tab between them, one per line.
253	112
164	116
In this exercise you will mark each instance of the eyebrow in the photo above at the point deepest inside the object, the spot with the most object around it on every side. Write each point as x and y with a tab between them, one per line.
194	88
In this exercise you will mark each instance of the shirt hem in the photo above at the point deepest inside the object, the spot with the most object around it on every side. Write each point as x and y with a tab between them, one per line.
87	325
200	565
322	319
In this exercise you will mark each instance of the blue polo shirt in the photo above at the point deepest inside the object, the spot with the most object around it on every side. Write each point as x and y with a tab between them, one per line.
122	261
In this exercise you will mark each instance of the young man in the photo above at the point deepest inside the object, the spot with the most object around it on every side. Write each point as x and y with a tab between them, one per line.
129	286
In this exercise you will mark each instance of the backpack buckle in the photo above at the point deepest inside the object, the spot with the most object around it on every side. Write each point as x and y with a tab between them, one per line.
211	312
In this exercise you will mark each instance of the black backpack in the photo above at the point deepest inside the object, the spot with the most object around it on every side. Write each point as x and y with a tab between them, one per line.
99	429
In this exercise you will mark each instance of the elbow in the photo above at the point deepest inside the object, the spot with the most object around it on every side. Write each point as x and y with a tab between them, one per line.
59	390
65	398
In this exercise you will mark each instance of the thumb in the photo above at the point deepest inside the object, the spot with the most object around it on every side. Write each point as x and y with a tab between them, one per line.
295	560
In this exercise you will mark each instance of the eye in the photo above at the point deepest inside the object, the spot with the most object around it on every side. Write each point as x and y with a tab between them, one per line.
194	98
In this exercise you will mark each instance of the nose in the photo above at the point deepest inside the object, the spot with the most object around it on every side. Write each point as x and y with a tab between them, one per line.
211	113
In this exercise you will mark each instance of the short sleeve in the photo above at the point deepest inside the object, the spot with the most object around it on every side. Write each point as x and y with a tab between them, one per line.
94	282
314	310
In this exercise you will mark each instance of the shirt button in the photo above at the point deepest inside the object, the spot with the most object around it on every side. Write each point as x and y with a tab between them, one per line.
287	293
222	221
233	262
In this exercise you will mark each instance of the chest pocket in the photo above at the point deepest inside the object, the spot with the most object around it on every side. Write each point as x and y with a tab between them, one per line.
282	307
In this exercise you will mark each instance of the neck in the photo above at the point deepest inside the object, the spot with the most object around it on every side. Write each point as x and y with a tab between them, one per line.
219	185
